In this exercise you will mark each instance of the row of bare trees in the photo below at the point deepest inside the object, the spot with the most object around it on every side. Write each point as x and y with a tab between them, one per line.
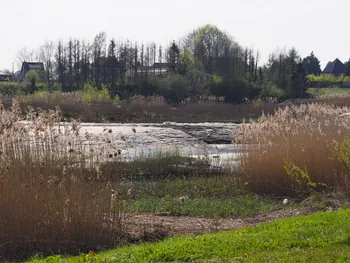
206	61
74	62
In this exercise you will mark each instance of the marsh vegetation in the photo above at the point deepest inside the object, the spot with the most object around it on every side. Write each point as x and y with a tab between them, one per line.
60	195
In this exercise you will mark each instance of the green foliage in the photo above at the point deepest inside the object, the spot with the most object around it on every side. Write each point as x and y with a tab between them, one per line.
287	72
271	90
299	81
11	89
323	77
216	79
31	78
186	62
303	182
116	100
322	237
331	79
341	152
312	64
175	88
234	90
92	94
215	50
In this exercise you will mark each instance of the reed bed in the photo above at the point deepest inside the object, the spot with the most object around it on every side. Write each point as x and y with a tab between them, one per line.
294	151
50	201
62	192
143	109
336	99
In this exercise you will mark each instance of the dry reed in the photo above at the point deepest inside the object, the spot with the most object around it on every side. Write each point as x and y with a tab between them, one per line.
292	151
47	200
145	109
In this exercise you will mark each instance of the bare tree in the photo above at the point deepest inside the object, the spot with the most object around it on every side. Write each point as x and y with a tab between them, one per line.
99	50
160	59
76	56
25	55
46	55
60	62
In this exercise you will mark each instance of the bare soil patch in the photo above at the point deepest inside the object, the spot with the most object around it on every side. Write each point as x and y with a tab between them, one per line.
153	227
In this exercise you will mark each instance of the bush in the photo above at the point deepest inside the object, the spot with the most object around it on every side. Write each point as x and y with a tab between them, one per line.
234	91
270	90
31	78
92	94
174	88
10	89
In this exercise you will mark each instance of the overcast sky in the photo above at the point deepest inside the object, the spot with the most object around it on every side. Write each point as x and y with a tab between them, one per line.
321	26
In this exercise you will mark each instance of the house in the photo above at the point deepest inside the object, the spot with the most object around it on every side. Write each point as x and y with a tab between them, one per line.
17	75
336	68
4	76
157	69
37	66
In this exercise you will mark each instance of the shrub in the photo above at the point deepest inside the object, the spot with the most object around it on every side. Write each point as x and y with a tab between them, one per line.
270	90
116	100
175	88
92	94
234	91
31	78
10	89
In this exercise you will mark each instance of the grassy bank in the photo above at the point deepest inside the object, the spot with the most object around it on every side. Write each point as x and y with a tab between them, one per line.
212	197
330	91
315	238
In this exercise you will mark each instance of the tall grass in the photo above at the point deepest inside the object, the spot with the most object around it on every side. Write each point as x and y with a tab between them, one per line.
89	107
293	151
48	202
337	99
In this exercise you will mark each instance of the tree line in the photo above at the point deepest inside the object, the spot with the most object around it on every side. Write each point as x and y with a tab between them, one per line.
205	62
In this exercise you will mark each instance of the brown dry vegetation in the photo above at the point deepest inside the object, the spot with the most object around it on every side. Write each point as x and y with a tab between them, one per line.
339	100
47	200
155	108
61	195
293	151
144	109
56	195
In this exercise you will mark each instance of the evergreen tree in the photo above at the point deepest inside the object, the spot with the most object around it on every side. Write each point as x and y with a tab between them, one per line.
298	81
312	64
347	65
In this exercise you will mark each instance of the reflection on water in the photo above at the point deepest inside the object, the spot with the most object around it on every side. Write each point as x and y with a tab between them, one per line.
223	155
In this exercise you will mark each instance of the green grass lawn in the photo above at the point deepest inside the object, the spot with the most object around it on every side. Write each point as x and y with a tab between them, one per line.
239	206
321	237
328	91
216	197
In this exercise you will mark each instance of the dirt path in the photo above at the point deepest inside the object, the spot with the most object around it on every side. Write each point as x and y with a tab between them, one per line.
142	225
